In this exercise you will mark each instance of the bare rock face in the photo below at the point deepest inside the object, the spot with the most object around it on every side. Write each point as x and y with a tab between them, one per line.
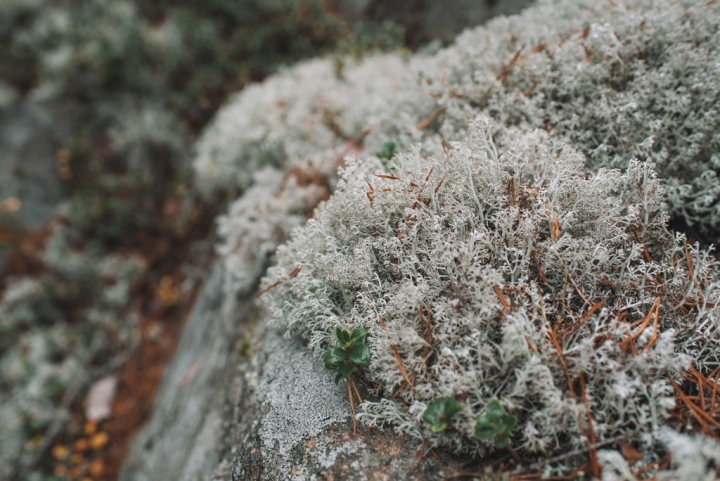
275	414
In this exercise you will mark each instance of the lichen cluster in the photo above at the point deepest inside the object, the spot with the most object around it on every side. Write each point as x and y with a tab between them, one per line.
618	80
505	276
500	226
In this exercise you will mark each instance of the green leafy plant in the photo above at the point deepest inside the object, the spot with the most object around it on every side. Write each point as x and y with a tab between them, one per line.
493	425
389	150
440	411
352	352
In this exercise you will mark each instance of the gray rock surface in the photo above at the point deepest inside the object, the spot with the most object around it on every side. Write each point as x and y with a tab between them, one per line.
275	415
425	20
31	133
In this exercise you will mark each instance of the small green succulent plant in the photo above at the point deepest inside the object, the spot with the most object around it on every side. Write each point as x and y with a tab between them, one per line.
439	413
493	425
352	352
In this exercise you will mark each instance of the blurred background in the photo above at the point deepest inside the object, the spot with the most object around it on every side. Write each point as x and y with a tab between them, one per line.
103	238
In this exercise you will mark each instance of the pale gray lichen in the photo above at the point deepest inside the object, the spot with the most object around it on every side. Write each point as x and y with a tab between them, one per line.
262	218
618	80
532	281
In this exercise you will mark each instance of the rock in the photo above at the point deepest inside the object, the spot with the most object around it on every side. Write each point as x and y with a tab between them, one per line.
427	20
277	415
31	132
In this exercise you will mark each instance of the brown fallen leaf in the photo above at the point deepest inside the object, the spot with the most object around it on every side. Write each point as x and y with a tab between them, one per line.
630	453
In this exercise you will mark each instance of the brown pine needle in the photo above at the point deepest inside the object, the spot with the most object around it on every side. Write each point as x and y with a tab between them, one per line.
429	339
585	317
715	388
398	359
422	450
646	468
592	452
294	273
700	416
654	336
389	177
645	251
553	339
427	177
506	71
530	344
440	184
653	312
352	407
424	123
453	93
691	268
579	291
539	269
402	386
503	300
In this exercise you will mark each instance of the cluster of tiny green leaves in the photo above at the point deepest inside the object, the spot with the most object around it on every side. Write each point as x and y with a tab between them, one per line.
493	425
440	412
352	352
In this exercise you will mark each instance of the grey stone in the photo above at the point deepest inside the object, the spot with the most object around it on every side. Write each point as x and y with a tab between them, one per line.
31	132
275	415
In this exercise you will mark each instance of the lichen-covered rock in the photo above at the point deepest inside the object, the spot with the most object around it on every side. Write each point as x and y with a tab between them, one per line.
276	416
505	276
617	80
